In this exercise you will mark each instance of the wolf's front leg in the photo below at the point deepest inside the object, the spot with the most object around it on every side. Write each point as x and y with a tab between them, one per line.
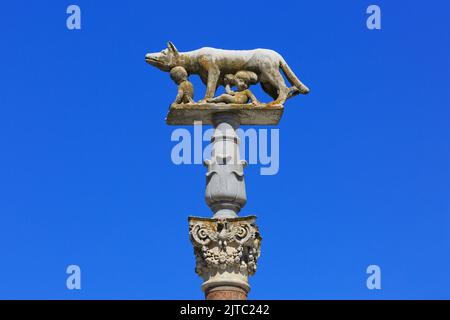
211	87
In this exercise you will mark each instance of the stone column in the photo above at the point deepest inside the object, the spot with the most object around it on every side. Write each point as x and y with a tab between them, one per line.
225	186
226	246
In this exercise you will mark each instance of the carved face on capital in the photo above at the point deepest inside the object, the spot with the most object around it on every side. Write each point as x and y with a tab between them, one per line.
164	60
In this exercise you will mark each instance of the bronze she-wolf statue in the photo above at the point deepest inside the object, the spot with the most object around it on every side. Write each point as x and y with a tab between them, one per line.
213	64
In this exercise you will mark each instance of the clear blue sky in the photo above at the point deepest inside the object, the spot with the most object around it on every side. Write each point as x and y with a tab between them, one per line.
86	176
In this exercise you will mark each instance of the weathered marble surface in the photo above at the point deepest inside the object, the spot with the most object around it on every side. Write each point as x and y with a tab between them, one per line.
225	186
186	114
213	64
226	250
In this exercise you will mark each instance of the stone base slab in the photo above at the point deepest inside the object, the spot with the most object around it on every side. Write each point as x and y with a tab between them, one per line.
186	114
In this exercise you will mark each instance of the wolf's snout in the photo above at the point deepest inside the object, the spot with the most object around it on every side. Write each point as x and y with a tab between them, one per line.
150	56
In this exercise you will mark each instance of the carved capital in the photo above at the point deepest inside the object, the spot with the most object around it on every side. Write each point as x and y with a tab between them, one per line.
226	250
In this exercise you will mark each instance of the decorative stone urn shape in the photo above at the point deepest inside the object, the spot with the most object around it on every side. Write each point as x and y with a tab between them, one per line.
225	185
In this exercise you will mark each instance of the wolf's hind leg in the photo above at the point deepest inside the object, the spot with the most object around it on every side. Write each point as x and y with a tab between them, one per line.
269	89
282	97
293	91
278	88
283	94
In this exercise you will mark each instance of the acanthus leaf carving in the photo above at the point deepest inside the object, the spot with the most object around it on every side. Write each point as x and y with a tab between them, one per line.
225	244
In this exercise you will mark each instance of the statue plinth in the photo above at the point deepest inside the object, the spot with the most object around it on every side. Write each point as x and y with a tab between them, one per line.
248	114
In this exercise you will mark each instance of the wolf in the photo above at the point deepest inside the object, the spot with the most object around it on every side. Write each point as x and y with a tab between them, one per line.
213	64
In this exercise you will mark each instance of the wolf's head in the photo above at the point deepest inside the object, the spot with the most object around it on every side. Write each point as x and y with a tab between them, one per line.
164	60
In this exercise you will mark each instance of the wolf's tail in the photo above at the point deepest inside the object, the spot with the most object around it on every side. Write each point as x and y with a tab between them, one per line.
290	75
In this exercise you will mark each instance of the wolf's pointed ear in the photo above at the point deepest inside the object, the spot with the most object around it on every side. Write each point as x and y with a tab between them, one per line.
172	47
